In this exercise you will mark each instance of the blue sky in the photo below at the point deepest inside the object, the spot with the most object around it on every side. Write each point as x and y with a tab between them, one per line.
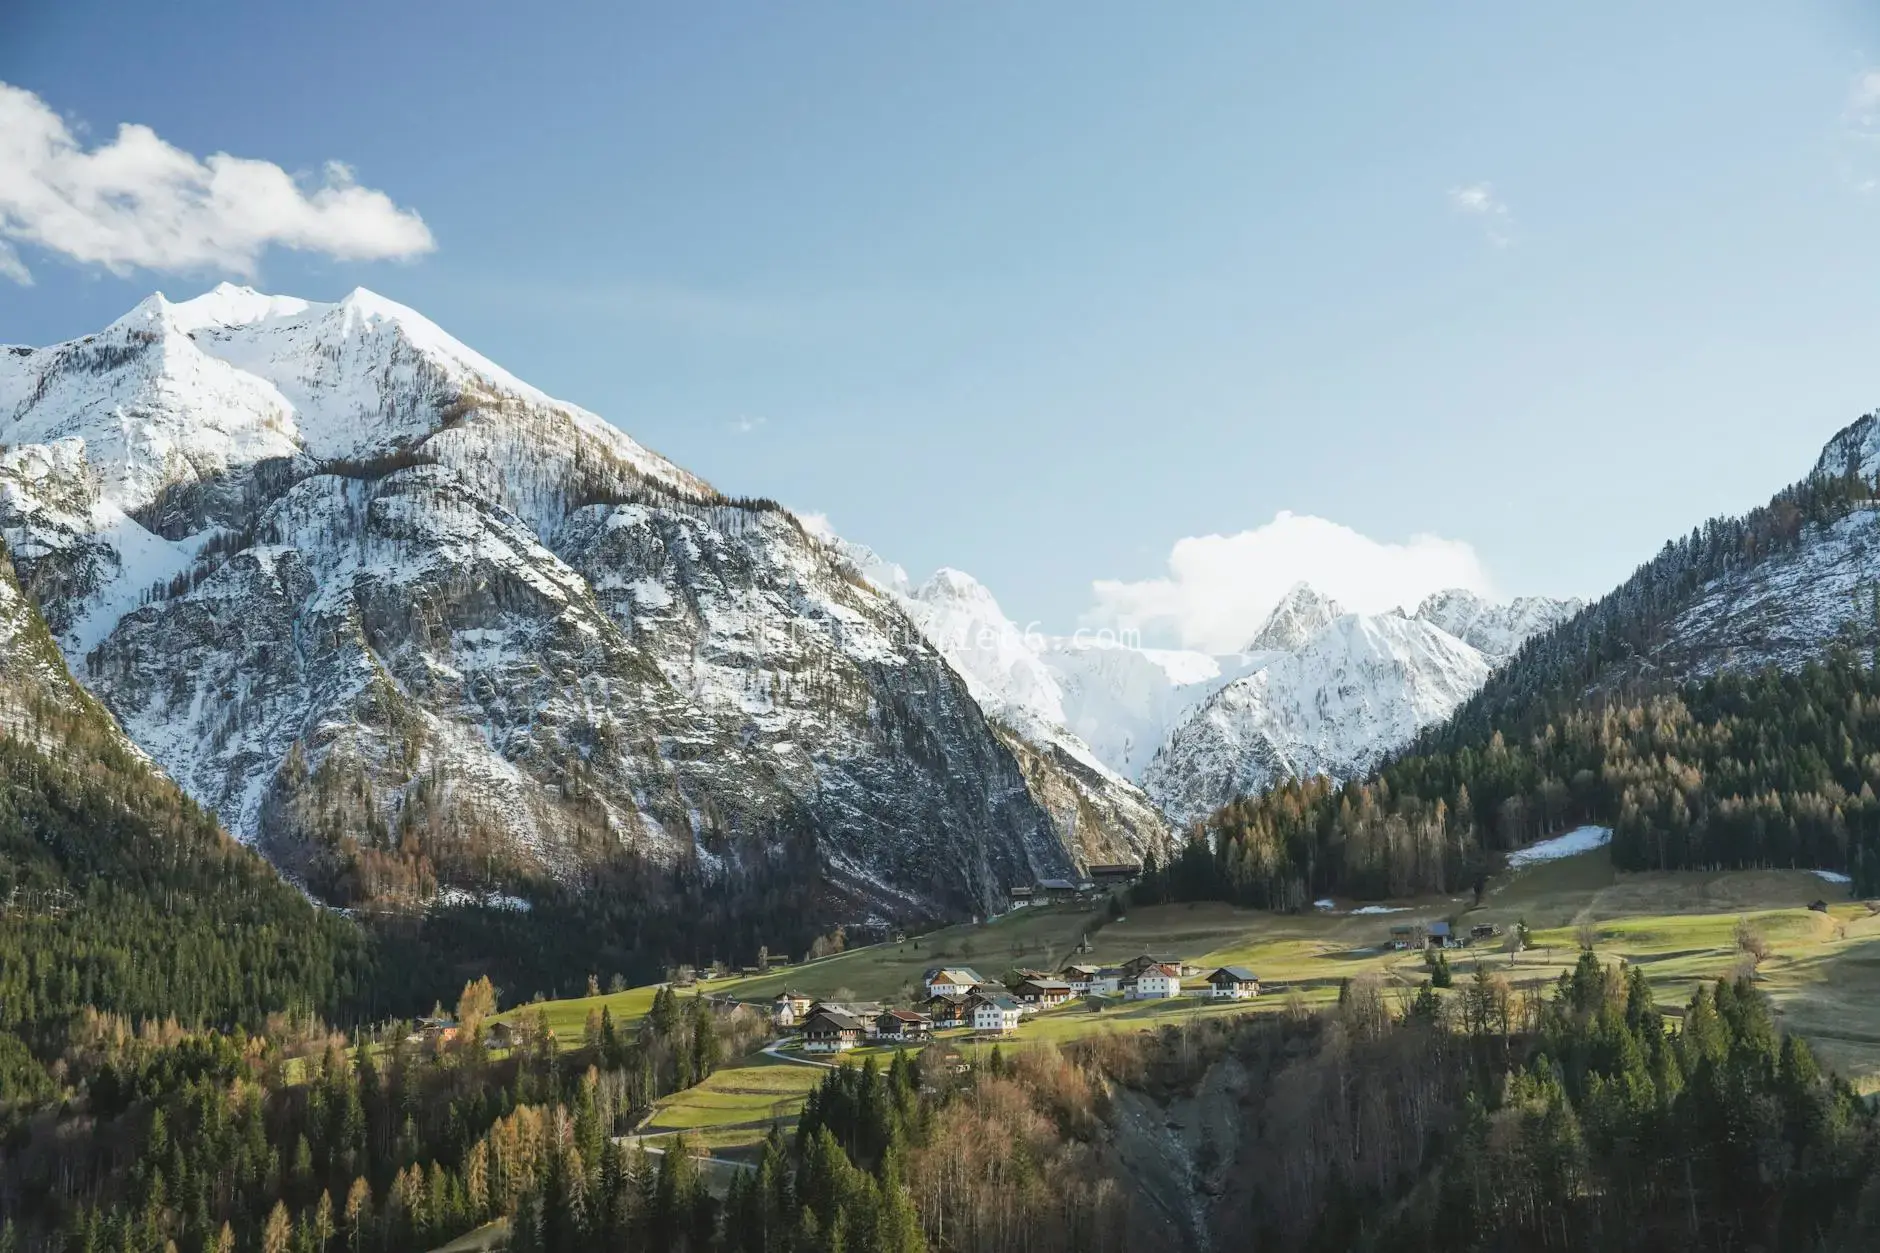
1041	291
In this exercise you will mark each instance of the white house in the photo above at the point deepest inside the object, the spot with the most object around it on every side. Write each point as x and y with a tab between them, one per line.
952	980
1157	983
789	1009
995	1015
1107	982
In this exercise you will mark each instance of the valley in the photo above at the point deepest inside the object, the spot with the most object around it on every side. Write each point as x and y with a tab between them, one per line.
1820	970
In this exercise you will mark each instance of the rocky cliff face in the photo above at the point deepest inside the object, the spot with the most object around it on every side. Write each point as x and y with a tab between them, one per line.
404	621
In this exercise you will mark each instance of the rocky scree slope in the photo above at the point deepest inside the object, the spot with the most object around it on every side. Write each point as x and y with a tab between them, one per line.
404	621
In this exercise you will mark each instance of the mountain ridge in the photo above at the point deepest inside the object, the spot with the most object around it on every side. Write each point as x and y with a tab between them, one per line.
408	622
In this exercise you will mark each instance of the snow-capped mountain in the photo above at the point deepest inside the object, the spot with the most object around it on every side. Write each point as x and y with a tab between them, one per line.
1012	677
1497	631
1301	614
1779	585
1337	692
1357	688
1795	600
403	620
1318	690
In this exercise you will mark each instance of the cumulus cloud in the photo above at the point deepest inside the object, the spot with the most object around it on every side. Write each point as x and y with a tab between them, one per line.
1863	101
1478	201
1220	588
139	202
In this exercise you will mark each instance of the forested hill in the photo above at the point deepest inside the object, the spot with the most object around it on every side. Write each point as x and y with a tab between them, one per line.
1720	708
1771	586
118	894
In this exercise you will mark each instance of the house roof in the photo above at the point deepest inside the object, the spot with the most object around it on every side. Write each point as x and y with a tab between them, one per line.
954	974
903	1015
1438	928
1079	970
1233	974
831	1020
854	1009
1057	885
1003	1003
1046	985
791	994
951	998
1120	867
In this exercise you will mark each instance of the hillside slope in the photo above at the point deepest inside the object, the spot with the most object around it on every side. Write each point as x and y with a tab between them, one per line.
1775	586
117	893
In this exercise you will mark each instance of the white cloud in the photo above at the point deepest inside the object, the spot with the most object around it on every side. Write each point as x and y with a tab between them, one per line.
817	524
1863	101
1478	200
1220	588
138	201
744	426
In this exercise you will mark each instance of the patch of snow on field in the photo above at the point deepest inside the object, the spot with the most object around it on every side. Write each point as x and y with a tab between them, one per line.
1834	876
1580	840
1325	904
1382	909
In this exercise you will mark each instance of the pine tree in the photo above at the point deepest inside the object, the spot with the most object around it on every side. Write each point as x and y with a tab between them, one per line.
277	1234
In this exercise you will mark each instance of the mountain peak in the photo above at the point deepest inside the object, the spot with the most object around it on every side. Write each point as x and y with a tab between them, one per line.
229	304
1855	449
947	585
1300	615
1497	630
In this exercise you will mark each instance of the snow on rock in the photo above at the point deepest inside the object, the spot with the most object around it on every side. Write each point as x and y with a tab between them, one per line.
1318	691
1854	450
1014	677
1784	610
319	555
1496	631
1301	614
1574	842
1359	687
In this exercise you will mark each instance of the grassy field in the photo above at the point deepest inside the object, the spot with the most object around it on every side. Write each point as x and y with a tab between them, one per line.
1822	972
737	1105
568	1019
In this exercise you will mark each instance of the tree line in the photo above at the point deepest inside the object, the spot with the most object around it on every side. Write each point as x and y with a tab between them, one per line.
1741	770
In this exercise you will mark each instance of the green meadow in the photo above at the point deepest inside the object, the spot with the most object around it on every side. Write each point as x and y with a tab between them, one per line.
1821	970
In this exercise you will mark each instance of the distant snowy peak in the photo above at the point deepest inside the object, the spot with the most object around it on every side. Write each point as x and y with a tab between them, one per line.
1496	630
957	590
1001	666
1361	686
1855	449
1020	681
1300	615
